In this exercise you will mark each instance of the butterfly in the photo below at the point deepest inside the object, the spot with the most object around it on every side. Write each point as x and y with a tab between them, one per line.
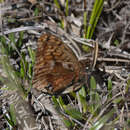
56	67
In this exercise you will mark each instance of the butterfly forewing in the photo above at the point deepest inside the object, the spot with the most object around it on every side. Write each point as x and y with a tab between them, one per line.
56	66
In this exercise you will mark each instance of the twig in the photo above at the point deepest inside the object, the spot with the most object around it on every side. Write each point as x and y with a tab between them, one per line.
24	29
118	54
113	60
95	55
88	42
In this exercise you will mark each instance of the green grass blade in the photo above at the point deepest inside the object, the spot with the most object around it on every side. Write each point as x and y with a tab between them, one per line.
57	4
110	88
67	8
92	18
96	18
85	24
74	114
98	5
93	83
13	114
20	40
101	122
68	123
32	55
13	80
